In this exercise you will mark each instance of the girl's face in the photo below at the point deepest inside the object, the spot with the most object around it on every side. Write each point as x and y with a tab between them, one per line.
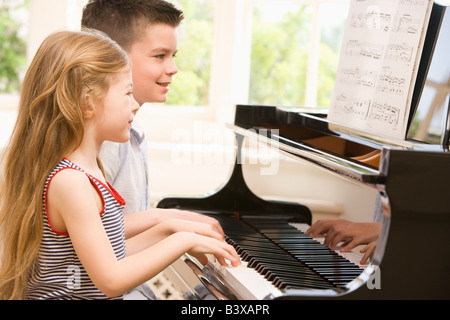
153	64
119	106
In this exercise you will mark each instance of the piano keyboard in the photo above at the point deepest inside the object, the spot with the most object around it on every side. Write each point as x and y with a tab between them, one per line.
277	257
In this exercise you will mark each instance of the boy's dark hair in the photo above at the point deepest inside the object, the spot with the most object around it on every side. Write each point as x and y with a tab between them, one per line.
124	20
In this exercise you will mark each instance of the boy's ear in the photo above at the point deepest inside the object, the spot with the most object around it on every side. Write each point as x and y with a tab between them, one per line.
88	107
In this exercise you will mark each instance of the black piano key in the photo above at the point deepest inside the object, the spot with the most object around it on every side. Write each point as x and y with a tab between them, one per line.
321	260
280	275
331	276
293	264
337	269
322	254
302	284
305	248
259	248
331	263
257	244
309	253
264	268
336	266
301	246
251	257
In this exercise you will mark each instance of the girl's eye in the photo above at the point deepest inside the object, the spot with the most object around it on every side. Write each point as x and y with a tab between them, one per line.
130	93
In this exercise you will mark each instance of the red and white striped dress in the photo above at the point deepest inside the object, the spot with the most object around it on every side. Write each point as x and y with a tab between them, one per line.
59	273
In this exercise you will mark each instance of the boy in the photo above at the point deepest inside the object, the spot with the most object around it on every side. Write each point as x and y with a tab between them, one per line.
146	29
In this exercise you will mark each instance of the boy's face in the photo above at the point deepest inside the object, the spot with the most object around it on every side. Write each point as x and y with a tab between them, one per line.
153	64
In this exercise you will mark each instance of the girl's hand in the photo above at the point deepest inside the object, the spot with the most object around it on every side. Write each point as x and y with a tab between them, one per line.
201	245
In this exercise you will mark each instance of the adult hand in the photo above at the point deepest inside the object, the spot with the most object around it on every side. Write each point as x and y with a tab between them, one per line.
351	234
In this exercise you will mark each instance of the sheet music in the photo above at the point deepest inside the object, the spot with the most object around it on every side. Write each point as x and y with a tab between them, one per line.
379	58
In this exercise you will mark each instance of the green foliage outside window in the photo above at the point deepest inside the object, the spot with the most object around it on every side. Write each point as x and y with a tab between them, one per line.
12	46
279	60
279	57
190	85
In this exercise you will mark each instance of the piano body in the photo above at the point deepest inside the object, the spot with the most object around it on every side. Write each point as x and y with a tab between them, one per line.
412	177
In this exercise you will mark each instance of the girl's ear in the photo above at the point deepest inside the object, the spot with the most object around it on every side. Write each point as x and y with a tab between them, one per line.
88	107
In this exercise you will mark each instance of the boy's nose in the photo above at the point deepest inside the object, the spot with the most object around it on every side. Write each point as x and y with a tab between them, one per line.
172	68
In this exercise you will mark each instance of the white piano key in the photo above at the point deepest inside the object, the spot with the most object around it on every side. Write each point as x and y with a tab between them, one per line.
246	283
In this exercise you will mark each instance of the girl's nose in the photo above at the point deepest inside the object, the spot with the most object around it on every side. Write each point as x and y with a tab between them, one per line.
134	105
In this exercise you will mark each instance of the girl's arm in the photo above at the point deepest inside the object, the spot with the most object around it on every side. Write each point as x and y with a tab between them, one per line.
167	228
73	207
136	223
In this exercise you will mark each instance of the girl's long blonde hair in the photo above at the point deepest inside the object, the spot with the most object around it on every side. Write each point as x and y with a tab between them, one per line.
49	125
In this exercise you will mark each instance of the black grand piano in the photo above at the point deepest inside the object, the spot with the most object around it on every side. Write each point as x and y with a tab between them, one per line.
412	177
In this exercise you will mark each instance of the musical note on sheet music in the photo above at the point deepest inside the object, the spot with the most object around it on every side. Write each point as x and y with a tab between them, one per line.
389	83
385	113
380	53
368	110
355	107
407	24
399	52
371	20
364	49
358	77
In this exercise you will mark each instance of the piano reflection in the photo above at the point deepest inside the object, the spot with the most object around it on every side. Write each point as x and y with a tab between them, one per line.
411	175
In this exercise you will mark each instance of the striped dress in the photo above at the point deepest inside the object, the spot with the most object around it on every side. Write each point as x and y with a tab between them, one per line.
59	273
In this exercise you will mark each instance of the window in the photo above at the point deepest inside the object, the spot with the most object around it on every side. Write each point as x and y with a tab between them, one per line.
13	30
282	52
295	50
195	45
13	14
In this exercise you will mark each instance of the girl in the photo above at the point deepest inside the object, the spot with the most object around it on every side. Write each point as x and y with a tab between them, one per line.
61	223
